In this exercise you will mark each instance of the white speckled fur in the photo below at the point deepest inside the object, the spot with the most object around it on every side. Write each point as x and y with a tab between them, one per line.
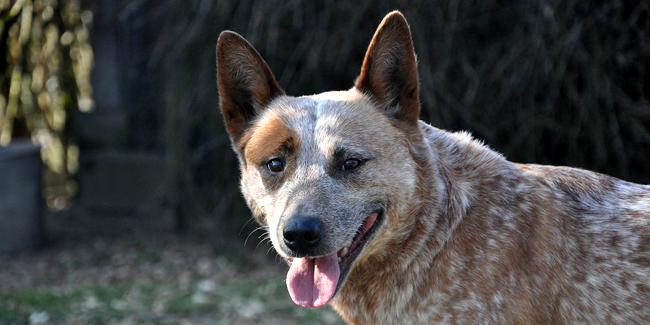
468	237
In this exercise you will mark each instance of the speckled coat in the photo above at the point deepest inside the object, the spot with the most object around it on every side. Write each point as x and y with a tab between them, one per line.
463	235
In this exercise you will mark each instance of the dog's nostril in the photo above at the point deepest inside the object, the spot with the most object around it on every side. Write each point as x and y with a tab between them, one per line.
302	233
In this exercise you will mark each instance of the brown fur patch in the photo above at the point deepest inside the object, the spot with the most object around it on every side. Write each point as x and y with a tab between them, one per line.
271	137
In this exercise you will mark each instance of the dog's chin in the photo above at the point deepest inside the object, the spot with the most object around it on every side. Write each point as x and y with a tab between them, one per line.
314	280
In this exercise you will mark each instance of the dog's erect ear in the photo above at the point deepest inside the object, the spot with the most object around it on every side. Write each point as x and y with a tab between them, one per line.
389	71
246	83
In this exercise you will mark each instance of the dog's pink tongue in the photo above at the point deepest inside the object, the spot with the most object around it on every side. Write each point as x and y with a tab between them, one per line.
312	281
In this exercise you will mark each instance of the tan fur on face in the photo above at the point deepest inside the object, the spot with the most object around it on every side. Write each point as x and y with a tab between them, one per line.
467	236
269	137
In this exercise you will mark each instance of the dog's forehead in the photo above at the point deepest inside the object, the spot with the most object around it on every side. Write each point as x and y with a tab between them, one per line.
331	118
327	112
318	124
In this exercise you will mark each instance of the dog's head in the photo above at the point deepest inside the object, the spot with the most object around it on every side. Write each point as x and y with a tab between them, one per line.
328	174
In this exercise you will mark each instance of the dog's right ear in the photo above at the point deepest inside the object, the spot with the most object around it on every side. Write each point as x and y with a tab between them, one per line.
246	83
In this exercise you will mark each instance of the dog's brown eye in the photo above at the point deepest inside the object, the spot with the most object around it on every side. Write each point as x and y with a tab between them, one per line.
351	164
275	165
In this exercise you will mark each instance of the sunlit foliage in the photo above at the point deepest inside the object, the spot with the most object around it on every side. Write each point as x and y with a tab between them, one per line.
46	66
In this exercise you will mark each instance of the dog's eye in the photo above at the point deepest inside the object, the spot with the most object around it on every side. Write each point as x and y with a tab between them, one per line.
351	163
275	165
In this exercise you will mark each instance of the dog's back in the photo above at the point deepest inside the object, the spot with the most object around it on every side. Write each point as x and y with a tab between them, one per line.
606	225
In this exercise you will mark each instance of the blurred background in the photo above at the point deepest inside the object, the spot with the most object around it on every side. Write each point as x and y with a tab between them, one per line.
119	199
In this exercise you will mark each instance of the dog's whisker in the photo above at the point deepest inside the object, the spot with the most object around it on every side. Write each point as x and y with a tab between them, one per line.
253	231
266	235
266	239
246	223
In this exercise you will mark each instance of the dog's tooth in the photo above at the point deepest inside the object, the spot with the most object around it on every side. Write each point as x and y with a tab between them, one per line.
340	260
343	251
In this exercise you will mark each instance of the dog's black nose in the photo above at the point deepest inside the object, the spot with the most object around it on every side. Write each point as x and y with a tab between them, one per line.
301	234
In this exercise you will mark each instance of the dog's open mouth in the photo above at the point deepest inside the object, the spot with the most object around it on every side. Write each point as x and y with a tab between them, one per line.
313	281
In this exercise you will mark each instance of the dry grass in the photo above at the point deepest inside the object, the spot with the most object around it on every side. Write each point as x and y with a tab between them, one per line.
147	280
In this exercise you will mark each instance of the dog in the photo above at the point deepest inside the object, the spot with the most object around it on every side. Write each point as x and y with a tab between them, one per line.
393	221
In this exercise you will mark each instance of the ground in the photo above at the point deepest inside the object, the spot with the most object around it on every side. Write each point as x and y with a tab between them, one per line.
148	279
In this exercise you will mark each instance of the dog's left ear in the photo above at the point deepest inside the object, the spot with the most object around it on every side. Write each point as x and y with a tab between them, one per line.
389	72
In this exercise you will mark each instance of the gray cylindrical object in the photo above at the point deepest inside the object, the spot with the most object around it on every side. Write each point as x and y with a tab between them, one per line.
20	196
